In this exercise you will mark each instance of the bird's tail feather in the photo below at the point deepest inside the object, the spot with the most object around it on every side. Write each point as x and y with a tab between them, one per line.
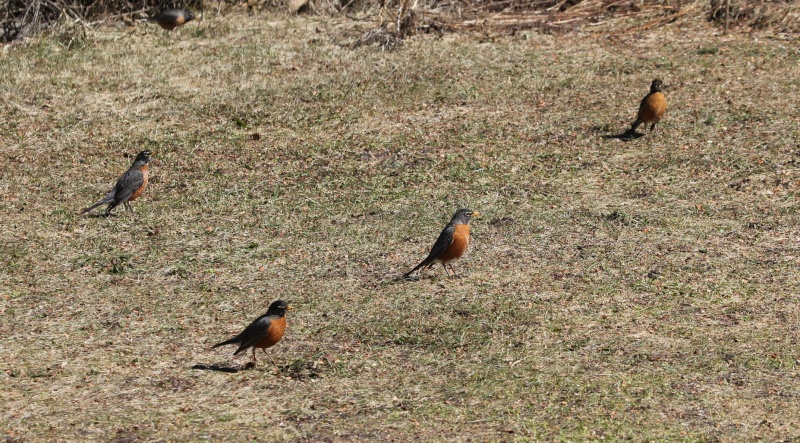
104	201
241	349
227	342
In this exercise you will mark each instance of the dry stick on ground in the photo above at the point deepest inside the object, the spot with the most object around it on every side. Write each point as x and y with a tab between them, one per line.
35	5
659	21
400	15
727	14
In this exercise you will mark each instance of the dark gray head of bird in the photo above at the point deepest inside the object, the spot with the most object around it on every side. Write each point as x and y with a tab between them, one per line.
655	86
462	216
188	16
143	157
278	308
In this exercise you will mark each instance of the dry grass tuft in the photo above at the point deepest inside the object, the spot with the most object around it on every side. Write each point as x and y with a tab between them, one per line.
780	16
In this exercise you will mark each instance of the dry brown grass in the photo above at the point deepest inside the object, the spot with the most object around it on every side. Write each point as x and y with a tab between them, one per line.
642	290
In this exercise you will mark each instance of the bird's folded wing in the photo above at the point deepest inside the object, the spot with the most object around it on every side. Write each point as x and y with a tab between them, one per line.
127	185
255	332
443	242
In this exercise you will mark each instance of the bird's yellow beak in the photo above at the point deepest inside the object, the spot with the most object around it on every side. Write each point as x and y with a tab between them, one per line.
290	308
476	214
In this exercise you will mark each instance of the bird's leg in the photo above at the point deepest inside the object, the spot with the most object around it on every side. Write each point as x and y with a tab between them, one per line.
271	359
419	273
254	357
444	265
455	274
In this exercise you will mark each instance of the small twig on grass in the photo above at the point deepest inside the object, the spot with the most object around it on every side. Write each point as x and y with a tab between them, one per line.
346	5
727	14
369	18
514	363
564	22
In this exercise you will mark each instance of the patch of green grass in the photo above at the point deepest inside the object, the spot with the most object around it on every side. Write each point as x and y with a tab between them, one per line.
708	50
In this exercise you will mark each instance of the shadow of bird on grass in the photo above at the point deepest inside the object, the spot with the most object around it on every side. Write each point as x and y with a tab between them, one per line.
626	136
224	368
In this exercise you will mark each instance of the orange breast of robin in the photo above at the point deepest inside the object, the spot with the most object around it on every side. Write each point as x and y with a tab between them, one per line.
653	108
275	333
146	176
459	245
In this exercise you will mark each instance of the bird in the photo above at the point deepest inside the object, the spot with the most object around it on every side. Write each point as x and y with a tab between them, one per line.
652	108
172	18
451	244
129	186
263	332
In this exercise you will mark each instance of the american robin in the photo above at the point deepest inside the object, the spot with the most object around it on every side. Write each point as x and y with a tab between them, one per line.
129	187
263	332
451	244
652	107
172	18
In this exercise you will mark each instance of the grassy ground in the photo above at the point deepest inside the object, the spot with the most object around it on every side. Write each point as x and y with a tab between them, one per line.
642	290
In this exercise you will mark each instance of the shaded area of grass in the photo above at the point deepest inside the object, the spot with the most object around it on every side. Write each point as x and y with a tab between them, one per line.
627	290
